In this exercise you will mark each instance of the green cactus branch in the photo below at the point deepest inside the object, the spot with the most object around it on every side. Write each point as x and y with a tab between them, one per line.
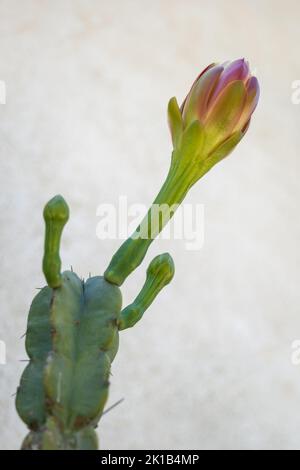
159	273
56	215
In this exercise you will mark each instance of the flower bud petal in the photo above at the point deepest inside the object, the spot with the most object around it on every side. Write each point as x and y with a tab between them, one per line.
225	113
252	90
195	105
175	122
225	148
222	151
236	70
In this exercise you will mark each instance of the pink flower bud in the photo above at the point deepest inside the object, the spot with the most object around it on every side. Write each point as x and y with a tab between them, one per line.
222	99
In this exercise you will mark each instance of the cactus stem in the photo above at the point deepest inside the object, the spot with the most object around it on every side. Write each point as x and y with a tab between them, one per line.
56	215
159	273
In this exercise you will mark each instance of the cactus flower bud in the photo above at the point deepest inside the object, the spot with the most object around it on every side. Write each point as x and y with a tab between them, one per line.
215	115
212	120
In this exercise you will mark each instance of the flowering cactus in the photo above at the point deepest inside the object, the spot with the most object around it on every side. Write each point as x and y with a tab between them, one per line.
73	326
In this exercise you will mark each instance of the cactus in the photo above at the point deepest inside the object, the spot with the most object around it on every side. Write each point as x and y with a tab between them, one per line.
72	338
73	327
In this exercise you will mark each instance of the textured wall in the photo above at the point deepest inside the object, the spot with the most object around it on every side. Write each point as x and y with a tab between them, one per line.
87	86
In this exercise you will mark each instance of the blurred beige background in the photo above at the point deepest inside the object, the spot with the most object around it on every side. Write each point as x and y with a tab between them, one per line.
87	83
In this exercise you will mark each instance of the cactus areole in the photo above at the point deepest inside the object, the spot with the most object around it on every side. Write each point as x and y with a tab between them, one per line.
73	326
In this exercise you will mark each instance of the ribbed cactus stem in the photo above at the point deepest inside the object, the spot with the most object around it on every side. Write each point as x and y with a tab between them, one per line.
159	273
56	215
71	340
